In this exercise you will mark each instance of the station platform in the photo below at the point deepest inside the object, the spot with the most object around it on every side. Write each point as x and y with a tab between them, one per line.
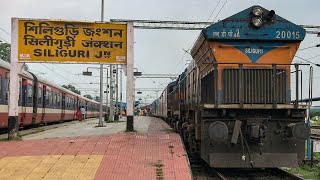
153	152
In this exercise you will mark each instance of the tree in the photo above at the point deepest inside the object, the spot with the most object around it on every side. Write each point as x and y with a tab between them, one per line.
88	96
72	88
5	50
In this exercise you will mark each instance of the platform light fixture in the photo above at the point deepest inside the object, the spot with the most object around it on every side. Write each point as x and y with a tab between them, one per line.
87	73
137	73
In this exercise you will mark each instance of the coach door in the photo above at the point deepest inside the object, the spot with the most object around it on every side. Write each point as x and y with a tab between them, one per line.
44	101
63	106
24	99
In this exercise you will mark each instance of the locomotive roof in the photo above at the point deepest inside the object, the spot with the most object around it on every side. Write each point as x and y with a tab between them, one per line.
240	26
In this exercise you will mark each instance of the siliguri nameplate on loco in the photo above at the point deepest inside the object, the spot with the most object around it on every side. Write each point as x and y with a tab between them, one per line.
71	42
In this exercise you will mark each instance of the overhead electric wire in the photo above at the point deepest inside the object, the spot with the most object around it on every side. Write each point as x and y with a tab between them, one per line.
220	10
64	78
308	61
187	51
213	10
5	31
144	72
317	45
4	40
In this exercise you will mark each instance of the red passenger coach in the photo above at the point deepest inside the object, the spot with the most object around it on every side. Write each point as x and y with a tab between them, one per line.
40	101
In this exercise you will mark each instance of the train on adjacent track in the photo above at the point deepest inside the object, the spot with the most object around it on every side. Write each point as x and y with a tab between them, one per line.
41	101
232	105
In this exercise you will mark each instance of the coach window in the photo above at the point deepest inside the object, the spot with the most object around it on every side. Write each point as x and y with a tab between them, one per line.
52	102
72	103
19	91
39	95
58	100
67	102
47	97
29	93
0	87
55	99
50	98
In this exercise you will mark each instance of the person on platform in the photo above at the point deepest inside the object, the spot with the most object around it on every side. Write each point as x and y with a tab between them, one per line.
83	112
79	114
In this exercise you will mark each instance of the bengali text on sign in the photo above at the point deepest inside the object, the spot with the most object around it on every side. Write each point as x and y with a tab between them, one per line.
72	42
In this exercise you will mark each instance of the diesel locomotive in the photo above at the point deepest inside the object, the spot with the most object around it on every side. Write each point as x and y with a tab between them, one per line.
232	105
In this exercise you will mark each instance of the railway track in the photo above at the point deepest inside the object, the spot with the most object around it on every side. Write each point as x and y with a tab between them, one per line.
255	174
315	132
201	171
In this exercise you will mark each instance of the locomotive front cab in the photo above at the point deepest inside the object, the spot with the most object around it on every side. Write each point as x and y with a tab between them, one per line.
244	66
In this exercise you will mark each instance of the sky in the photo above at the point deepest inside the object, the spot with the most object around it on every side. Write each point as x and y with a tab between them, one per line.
155	51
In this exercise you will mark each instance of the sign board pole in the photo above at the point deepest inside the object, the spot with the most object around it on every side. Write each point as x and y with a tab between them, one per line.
101	96
121	107
14	82
111	117
101	75
130	83
106	115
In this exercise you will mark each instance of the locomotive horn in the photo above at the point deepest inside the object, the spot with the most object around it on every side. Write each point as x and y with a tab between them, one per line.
270	15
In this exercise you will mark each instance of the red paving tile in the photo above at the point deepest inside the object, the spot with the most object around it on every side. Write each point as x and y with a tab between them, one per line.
153	155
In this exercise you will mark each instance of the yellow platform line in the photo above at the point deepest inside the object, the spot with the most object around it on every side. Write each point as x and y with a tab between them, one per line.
50	167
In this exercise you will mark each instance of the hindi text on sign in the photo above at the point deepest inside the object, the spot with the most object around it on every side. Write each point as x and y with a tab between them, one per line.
60	41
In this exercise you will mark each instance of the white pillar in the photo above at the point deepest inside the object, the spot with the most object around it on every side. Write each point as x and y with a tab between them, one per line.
130	83
107	95
15	68
101	74
117	97
121	109
111	116
101	95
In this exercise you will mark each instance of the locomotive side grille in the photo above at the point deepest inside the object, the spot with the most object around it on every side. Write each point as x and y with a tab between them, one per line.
258	86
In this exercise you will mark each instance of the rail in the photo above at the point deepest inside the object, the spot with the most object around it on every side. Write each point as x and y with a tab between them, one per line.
268	173
315	132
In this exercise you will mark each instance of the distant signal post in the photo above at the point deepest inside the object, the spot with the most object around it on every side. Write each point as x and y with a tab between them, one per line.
56	41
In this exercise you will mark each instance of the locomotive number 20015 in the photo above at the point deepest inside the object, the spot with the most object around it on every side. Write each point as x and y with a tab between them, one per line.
288	34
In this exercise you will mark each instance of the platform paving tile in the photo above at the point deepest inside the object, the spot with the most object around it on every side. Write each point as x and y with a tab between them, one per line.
154	154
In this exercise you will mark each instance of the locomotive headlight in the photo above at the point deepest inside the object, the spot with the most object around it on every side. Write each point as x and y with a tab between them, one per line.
257	11
257	22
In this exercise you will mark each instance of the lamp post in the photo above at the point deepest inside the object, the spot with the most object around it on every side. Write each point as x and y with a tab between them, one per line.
101	75
111	115
116	117
121	106
106	118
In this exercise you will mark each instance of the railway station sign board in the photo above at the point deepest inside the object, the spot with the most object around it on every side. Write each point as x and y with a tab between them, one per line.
71	41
